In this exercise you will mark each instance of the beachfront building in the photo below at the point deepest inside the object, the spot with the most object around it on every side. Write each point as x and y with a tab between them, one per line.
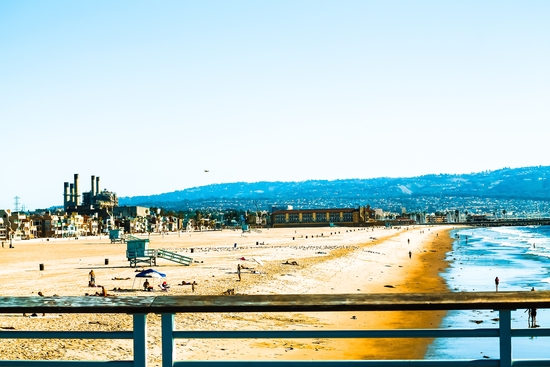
74	225
28	229
3	230
170	224
38	223
437	218
15	224
131	211
323	217
133	219
48	224
133	224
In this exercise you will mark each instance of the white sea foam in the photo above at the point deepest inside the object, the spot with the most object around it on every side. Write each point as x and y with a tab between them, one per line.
506	252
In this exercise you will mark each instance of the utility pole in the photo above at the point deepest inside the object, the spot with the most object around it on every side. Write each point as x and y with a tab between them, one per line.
16	203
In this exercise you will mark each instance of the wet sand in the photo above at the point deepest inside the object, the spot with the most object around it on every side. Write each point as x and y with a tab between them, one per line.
329	261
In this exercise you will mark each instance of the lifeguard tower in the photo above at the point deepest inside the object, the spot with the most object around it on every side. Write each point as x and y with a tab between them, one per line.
116	235
138	252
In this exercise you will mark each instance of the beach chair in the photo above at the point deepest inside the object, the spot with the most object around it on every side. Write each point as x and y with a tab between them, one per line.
163	288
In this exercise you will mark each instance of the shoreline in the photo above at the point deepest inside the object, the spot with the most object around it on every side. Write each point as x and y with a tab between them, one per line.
330	260
418	274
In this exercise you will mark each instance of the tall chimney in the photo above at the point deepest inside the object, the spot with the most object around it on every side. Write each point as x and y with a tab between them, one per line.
66	195
97	185
92	193
77	193
71	190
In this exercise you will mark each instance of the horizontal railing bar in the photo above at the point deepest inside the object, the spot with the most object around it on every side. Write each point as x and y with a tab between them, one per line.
302	363
66	363
66	335
280	303
531	363
353	334
353	302
530	332
141	306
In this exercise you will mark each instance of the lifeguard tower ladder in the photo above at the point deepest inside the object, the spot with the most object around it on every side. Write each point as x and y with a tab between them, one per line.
138	252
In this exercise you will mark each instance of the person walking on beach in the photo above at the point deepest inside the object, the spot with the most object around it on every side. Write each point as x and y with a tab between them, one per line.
239	271
410	254
92	279
497	281
532	315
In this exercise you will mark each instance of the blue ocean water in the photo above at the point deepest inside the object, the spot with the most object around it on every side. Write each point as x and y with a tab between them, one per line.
520	257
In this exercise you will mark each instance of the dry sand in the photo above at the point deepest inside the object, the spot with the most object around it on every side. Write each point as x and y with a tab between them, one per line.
329	261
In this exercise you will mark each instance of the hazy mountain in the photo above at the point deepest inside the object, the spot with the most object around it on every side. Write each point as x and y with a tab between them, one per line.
528	183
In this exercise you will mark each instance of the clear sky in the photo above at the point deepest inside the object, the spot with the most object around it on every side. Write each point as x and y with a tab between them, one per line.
149	94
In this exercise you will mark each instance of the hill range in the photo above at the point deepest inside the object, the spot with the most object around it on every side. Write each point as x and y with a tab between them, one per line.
512	186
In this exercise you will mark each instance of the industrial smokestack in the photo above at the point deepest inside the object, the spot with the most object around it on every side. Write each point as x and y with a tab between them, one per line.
92	193
97	185
71	195
66	195
77	194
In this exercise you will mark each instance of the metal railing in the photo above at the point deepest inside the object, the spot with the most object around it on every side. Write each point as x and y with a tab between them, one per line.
168	306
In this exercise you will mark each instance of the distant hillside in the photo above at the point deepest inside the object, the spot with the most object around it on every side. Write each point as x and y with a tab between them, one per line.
528	183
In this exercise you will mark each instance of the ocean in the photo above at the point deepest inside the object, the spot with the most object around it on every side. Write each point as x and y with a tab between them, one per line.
520	258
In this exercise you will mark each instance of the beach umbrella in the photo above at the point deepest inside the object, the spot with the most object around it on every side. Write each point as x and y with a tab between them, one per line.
149	273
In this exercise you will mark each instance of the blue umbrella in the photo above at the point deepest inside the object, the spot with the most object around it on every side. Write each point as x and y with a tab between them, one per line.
149	273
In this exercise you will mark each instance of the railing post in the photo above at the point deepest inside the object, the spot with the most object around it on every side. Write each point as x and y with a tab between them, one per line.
140	340
505	337
168	343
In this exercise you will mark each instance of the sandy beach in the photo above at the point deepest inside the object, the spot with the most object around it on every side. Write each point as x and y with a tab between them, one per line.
276	261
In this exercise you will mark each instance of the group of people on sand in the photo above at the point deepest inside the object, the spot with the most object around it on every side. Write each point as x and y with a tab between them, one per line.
146	285
165	286
103	292
149	288
91	283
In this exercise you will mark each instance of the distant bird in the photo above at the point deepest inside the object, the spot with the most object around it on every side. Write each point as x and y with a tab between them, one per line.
206	170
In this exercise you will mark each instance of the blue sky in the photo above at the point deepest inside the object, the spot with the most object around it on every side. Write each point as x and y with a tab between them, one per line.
147	95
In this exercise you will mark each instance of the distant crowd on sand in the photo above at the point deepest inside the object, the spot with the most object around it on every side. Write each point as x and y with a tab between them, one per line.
164	286
240	247
91	283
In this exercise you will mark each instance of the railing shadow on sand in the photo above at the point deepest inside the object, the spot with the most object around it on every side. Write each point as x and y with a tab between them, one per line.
169	306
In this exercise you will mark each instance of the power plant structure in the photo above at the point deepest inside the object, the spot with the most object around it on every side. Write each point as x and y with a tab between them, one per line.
92	202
